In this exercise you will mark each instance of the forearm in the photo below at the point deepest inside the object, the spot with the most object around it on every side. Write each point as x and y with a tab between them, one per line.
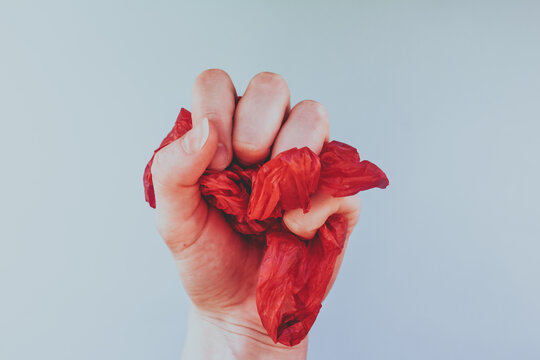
212	338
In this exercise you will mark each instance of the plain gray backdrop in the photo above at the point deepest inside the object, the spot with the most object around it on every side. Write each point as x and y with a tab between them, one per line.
444	96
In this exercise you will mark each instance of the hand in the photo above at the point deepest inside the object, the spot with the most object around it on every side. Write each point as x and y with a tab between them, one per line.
218	267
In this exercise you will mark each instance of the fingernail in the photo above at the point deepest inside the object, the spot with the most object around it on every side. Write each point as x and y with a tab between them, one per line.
194	139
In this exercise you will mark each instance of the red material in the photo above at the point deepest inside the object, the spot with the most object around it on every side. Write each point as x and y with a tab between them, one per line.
229	190
294	273
343	174
181	126
293	279
284	183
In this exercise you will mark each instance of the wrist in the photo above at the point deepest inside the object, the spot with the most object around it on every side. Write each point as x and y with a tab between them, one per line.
211	336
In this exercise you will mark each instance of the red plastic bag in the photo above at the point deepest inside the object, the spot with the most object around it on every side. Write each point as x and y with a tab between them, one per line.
343	174
181	126
294	273
294	277
284	183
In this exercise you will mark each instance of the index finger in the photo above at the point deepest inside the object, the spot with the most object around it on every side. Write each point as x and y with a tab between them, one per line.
213	97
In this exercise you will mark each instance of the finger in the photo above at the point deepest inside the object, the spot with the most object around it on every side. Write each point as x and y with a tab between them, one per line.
307	125
258	117
322	207
213	97
175	171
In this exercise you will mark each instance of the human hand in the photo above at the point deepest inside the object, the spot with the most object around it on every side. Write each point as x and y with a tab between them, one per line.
217	266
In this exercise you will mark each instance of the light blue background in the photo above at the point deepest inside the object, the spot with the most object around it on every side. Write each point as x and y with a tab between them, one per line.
444	96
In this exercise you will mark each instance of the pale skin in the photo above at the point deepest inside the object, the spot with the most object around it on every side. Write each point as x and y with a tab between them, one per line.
218	267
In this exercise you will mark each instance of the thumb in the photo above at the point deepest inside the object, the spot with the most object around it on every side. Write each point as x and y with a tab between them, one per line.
176	169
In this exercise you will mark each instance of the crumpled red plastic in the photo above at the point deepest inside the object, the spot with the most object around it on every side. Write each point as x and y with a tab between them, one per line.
284	183
293	279
294	273
343	174
181	126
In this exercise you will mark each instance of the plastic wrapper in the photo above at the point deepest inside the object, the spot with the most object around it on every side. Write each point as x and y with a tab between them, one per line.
293	279
343	174
294	273
284	183
181	126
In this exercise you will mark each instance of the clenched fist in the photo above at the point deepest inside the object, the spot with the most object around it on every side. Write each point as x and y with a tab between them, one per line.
217	266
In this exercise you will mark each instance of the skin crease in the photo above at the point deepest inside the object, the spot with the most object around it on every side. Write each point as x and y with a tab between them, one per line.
218	267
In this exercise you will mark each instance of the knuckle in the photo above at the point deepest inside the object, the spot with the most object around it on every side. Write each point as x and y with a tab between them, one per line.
213	115
352	206
315	108
270	79
212	75
298	225
355	201
313	115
